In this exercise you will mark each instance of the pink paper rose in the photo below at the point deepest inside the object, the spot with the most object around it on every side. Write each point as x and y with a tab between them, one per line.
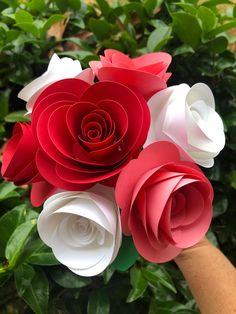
166	203
146	74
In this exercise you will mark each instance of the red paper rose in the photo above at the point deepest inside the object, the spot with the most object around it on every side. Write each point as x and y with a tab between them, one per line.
146	74
18	160
166	203
87	133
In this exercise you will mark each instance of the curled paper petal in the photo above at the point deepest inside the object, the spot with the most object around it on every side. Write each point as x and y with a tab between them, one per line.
82	228
145	74
40	191
57	69
186	116
166	203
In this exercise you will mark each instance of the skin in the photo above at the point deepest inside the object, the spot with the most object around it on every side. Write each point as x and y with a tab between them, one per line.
210	276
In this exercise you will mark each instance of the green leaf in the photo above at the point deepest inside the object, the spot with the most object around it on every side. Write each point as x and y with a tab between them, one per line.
4	277
184	49
4	27
232	179
4	103
62	5
98	302
137	8
139	284
23	277
8	223
213	3
28	27
52	20
24	20
159	37
17	241
81	43
188	7
8	12
6	188
128	42
221	29
81	55
220	206
12	35
127	255
207	18
218	44
104	7
169	307
100	28
37	293
230	120
75	4
183	288
2	128
23	17
108	273
112	45
65	5
159	275
65	278
151	6
42	255
187	28
17	116
37	5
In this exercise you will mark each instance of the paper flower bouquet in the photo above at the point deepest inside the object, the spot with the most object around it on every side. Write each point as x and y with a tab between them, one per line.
111	152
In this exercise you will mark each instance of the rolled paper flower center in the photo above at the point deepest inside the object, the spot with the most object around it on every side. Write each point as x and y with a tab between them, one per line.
178	204
79	231
97	130
93	135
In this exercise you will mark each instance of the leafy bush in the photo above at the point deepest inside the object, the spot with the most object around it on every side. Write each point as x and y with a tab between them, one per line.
201	39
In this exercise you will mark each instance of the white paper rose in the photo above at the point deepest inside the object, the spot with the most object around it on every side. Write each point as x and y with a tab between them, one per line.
83	229
58	69
187	117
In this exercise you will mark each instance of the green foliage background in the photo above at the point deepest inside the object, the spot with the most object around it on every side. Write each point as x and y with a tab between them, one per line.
201	39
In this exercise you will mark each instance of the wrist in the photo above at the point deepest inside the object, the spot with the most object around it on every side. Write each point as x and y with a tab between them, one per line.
188	252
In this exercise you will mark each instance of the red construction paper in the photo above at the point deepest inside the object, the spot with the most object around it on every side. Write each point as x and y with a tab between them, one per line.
87	133
40	191
166	203
18	160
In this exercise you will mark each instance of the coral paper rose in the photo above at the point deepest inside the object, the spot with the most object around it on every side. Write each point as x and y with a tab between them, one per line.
83	229
146	74
87	133
18	160
187	117
166	203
